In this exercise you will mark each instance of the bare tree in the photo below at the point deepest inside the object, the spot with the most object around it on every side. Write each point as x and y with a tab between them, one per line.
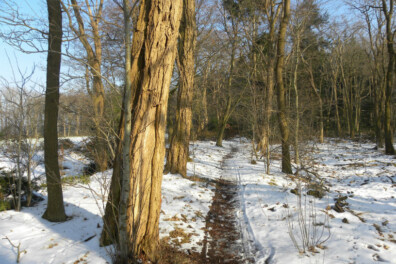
21	143
94	63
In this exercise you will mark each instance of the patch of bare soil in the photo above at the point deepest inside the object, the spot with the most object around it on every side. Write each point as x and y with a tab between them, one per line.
223	242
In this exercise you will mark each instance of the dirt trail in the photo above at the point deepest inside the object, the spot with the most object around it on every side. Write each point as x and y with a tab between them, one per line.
223	242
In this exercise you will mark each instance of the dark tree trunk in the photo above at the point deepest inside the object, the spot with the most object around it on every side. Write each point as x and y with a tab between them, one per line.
389	149
55	209
283	123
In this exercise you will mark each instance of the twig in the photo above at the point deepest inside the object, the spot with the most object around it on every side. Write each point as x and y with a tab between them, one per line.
19	252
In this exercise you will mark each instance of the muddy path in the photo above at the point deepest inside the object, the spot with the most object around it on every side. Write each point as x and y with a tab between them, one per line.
224	241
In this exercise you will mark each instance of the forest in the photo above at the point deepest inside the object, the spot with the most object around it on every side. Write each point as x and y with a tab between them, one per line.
197	131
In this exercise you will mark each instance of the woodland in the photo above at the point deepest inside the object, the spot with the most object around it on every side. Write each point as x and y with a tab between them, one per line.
199	131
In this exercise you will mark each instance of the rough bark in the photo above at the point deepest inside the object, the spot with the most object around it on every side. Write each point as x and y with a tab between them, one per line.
55	211
149	122
176	161
158	22
110	219
282	115
389	149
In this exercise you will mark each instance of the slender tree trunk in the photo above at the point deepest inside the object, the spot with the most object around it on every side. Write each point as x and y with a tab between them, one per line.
389	149
19	153
378	114
126	141
204	113
272	14
297	128
317	93
227	111
223	122
77	124
94	62
55	211
29	181
283	124
176	161
335	74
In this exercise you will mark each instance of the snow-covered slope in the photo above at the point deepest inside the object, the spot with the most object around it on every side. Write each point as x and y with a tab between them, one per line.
364	233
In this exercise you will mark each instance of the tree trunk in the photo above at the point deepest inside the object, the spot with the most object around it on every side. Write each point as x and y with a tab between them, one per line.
317	93
389	149
158	22
272	14
77	124
126	142
111	217
297	128
204	119
94	61
176	161
55	210
223	123
227	111
283	123
29	180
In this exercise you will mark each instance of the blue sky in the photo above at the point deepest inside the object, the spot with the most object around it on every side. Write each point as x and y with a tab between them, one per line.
37	8
10	55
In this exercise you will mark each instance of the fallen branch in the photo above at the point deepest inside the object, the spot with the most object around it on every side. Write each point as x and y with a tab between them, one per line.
19	252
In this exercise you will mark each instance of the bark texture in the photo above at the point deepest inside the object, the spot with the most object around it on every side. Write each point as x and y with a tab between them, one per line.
152	67
283	123
110	219
178	150
55	211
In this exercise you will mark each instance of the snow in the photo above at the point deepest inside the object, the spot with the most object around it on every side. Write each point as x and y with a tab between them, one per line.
268	208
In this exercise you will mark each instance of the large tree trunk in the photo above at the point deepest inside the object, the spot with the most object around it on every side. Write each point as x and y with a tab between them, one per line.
55	210
389	149
110	219
177	157
283	123
159	22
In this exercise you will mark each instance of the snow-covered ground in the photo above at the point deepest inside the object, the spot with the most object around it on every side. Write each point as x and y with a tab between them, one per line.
364	233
